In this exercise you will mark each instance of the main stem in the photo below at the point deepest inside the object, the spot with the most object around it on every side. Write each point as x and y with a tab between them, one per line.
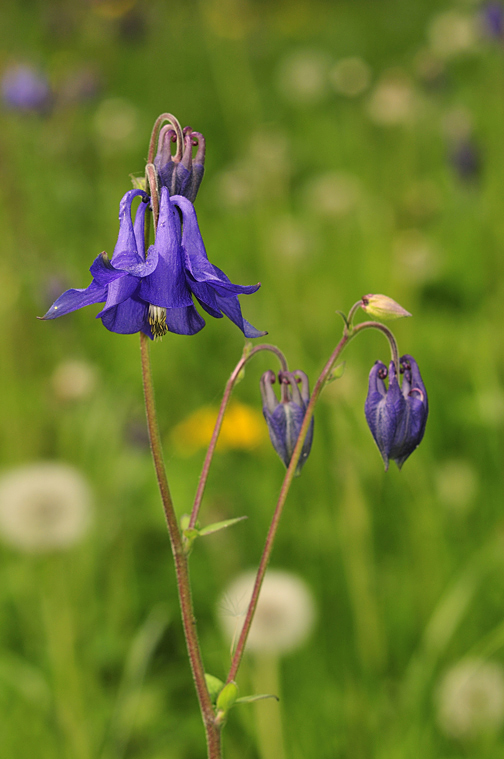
213	733
289	476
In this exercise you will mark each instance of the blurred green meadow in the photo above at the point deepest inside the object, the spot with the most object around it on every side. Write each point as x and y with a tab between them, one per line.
352	147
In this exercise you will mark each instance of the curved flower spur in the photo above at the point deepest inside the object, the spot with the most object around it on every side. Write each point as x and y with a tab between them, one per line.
396	416
153	292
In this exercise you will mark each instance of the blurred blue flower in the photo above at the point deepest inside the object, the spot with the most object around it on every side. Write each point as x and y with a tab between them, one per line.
397	416
181	175
493	19
465	159
25	89
153	293
285	417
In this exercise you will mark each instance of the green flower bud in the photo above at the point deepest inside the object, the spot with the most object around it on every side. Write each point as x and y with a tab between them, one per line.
383	307
226	699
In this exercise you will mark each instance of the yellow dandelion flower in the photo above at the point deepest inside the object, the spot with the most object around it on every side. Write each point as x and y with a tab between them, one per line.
243	428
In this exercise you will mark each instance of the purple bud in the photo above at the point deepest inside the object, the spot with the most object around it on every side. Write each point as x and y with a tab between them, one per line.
180	173
285	417
396	416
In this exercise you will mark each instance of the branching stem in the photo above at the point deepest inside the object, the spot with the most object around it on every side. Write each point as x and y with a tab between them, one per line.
247	355
348	335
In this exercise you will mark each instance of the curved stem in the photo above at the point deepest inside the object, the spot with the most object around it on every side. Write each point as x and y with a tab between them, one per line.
151	175
247	355
289	476
155	131
353	311
181	568
394	350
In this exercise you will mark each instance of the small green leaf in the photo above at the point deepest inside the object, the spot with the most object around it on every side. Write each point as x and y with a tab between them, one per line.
337	372
216	526
138	183
214	686
260	697
344	317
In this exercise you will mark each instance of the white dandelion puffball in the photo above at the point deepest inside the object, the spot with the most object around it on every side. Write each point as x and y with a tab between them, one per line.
393	101
470	699
44	506
73	380
302	77
284	617
350	76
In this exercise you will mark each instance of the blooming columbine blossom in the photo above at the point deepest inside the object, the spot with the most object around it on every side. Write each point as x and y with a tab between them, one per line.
285	417
397	416
154	293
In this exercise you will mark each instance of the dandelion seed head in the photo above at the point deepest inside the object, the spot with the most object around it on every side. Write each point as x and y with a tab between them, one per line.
44	506
73	380
470	699
285	613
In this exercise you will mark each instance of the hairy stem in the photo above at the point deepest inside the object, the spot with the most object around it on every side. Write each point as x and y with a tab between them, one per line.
289	476
181	568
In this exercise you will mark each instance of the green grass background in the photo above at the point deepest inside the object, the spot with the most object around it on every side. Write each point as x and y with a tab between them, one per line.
406	583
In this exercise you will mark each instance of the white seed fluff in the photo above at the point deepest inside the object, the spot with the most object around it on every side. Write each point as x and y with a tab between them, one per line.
44	506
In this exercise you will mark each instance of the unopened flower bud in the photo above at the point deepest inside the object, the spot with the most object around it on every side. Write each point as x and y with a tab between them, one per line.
396	416
180	173
383	307
285	417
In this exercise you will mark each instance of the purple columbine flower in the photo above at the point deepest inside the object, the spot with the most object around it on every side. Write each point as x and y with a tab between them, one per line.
154	293
182	176
493	19
397	416
25	89
285	417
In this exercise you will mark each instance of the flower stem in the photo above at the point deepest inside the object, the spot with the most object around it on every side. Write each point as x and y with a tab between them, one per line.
155	132
213	733
289	476
247	355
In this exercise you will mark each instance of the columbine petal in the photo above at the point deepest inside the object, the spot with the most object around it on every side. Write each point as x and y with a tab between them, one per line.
166	286
73	299
231	308
125	251
197	263
184	321
127	317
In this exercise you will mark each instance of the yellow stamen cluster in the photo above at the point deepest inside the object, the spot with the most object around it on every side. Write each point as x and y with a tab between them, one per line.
157	321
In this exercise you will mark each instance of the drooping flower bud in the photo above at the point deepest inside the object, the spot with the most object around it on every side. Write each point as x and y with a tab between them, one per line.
180	173
285	417
396	416
383	307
